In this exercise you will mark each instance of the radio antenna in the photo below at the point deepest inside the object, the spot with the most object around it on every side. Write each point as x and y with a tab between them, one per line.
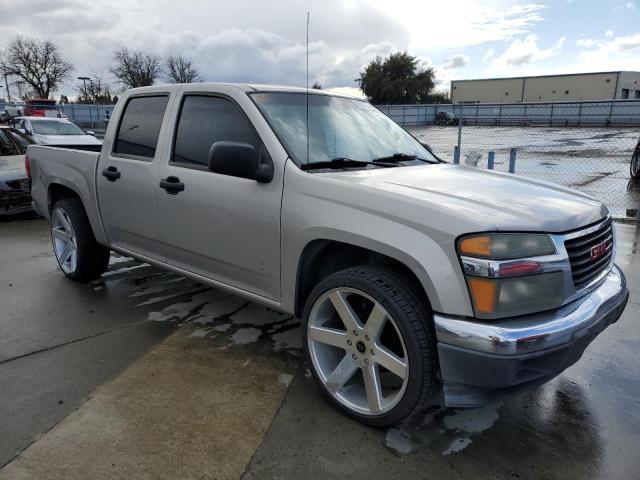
307	88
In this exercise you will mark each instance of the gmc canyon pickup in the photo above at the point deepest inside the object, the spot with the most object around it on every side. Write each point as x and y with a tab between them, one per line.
416	280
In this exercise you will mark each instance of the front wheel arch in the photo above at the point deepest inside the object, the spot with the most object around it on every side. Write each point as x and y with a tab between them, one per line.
322	257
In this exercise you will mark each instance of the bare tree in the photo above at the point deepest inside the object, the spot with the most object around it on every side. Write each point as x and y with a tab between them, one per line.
181	70
96	91
22	90
38	63
134	68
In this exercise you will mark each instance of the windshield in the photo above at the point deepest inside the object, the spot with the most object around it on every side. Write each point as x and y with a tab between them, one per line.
53	127
338	128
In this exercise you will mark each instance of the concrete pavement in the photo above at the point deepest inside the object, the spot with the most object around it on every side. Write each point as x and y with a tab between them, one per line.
225	395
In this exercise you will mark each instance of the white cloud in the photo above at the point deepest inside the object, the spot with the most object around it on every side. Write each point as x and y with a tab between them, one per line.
461	23
608	33
617	53
631	6
585	42
258	41
522	52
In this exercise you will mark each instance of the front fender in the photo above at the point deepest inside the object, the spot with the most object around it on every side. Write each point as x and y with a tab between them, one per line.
432	258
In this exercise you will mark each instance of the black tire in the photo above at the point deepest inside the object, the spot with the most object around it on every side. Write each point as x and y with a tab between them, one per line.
634	168
414	318
92	258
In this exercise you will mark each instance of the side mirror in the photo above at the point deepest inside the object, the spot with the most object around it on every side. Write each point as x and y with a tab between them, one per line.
238	159
90	132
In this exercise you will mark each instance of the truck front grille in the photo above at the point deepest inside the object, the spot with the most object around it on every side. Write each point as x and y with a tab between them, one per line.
590	254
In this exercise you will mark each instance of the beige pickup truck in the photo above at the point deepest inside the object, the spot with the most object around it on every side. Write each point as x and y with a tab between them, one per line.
416	280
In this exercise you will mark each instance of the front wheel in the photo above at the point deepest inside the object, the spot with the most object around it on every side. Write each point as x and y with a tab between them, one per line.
635	165
370	341
79	255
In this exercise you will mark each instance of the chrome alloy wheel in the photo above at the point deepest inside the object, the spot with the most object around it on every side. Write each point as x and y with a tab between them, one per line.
64	241
362	364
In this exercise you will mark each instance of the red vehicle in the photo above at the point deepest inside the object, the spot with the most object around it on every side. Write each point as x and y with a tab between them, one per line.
41	107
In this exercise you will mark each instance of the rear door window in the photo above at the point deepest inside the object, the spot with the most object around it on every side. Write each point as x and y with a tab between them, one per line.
205	120
139	128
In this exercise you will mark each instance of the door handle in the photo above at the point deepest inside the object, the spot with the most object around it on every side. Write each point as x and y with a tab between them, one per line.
111	174
172	185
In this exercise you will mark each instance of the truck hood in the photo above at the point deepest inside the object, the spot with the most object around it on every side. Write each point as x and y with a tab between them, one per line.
66	140
491	199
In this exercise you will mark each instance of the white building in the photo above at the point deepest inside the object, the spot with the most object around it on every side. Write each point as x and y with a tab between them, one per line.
548	88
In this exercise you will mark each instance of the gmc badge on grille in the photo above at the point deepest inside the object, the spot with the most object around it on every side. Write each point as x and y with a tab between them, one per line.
598	250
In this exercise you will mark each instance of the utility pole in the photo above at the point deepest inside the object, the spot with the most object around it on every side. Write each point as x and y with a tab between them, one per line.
6	84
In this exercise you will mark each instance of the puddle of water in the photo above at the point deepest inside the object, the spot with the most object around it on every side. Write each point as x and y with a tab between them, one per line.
243	336
445	430
285	379
458	445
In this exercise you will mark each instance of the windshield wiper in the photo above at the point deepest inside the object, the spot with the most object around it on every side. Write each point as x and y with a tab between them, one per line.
342	162
398	157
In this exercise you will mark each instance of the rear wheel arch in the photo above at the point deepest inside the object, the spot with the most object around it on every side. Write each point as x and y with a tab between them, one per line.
57	192
322	257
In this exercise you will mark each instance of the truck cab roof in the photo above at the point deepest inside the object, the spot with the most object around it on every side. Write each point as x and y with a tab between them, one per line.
245	87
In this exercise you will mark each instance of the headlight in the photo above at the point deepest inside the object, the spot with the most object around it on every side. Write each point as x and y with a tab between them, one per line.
510	274
500	246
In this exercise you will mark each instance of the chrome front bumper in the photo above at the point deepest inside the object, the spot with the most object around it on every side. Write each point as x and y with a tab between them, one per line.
480	361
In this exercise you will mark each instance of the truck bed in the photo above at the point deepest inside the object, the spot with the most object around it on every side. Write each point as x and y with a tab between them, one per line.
66	167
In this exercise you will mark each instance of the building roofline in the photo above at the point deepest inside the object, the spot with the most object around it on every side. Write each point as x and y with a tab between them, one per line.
545	76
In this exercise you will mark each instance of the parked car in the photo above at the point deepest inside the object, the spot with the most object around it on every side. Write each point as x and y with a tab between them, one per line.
15	191
57	131
411	276
15	109
446	118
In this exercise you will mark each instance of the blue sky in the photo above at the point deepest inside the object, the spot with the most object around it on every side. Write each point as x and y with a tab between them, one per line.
559	37
262	41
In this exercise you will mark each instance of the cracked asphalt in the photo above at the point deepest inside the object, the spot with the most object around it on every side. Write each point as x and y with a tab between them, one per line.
145	374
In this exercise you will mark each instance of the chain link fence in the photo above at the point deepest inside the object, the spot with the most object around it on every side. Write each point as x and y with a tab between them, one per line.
583	145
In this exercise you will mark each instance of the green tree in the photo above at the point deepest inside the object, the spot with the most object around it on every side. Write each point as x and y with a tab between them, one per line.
398	79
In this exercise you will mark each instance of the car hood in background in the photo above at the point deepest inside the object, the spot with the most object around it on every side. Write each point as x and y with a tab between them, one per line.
12	168
65	139
505	201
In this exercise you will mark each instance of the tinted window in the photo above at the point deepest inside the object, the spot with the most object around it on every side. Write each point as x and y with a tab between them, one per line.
7	147
140	126
54	127
205	121
21	140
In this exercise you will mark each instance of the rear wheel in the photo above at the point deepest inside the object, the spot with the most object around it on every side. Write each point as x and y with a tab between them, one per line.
369	339
79	255
635	166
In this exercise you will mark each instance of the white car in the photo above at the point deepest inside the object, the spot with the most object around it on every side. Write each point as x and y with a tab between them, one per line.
58	132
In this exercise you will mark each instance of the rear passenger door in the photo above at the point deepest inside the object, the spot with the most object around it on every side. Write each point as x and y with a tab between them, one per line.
127	173
220	226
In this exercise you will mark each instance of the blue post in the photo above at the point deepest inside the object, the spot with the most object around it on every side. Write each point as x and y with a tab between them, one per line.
456	154
512	161
490	160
